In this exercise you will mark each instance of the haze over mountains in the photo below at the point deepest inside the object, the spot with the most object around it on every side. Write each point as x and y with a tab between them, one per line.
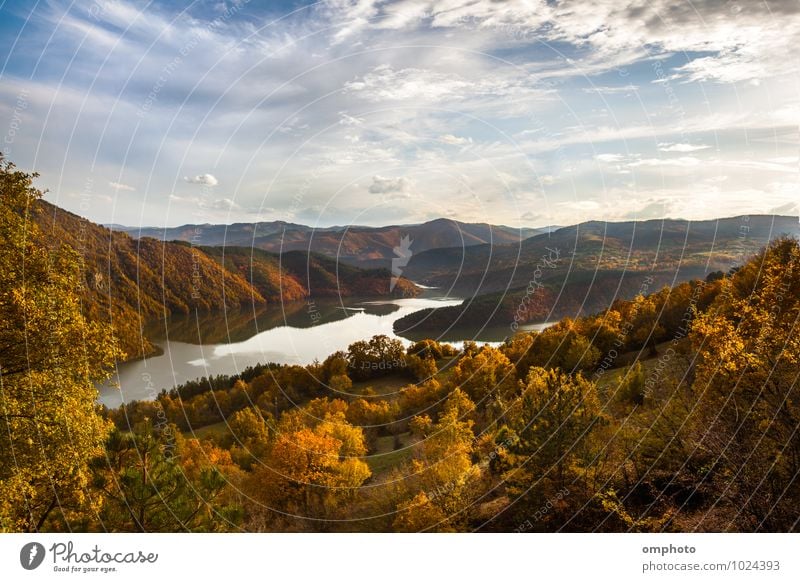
695	247
481	258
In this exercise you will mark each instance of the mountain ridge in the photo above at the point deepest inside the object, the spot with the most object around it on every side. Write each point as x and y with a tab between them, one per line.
598	263
357	245
130	281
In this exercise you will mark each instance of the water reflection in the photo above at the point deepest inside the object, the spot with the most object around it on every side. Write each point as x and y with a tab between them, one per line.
226	343
292	333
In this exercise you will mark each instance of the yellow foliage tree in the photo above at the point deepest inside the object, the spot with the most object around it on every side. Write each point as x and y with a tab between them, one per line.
50	360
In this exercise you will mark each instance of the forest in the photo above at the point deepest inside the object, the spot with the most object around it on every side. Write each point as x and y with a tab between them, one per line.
128	283
675	411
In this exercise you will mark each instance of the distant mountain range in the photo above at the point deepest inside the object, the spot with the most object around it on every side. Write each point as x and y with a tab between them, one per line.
597	262
652	246
362	246
553	272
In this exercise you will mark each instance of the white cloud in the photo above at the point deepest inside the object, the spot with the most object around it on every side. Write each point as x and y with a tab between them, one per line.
454	140
224	204
345	119
418	86
609	158
605	90
186	199
581	205
384	83
204	179
682	162
746	42
121	186
383	87
381	185
681	147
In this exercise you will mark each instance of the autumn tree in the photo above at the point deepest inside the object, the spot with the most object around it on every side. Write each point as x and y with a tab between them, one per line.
487	377
153	480
647	329
248	436
551	440
312	469
444	478
631	387
747	383
420	514
51	358
380	356
562	347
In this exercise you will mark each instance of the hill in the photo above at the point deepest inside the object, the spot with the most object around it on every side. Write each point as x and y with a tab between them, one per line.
582	269
295	275
129	281
357	245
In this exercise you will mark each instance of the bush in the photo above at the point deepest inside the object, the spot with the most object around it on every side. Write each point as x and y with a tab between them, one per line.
631	387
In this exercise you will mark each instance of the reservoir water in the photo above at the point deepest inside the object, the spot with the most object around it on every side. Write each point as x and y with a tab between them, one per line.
292	333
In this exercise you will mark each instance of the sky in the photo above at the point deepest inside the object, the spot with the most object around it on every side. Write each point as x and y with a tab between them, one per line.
524	113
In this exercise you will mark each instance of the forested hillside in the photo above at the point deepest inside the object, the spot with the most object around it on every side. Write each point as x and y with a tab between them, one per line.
130	281
679	249
581	269
296	275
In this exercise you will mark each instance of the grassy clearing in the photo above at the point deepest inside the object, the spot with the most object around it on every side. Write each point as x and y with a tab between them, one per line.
385	457
386	387
662	372
215	432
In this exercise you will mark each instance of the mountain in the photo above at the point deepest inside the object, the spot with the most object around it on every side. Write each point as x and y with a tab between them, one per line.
356	245
130	281
239	234
647	246
597	262
295	275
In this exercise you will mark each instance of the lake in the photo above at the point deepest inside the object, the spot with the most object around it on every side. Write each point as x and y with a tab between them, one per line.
292	333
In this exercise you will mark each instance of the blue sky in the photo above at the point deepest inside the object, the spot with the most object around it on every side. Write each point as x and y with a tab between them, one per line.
525	113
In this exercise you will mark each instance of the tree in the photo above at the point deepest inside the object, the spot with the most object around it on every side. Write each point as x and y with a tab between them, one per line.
421	369
420	514
560	347
312	468
429	348
420	426
486	375
380	356
51	357
155	481
747	385
553	423
553	419
249	436
631	386
444	481
415	399
647	329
